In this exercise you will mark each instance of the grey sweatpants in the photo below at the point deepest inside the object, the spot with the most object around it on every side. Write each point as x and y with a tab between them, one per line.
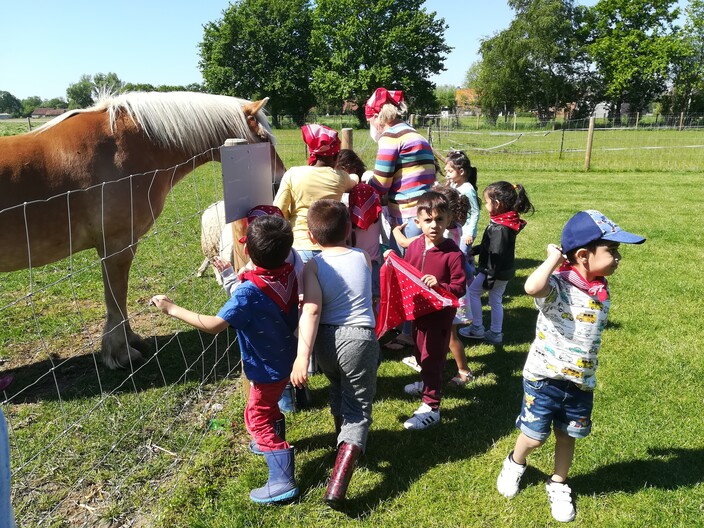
349	358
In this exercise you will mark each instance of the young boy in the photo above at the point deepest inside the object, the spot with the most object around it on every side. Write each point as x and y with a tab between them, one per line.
442	263
337	306
572	297
264	311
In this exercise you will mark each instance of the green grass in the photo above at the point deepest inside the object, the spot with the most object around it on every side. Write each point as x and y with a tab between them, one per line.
105	448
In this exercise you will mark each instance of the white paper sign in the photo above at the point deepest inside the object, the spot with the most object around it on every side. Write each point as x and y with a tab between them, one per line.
246	178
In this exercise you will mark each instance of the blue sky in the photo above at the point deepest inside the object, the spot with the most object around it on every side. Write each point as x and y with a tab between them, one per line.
156	41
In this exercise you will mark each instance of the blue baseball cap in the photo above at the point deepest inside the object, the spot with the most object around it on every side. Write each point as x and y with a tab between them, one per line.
586	227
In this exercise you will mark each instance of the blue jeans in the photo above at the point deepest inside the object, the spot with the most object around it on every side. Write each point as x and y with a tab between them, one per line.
557	403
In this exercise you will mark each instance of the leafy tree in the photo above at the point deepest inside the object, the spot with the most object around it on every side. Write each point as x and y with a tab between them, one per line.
472	75
79	94
56	102
445	95
9	104
259	49
634	44
538	63
359	45
29	104
107	83
139	87
687	93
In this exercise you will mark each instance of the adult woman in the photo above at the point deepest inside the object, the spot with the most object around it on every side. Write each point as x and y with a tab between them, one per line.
404	167
301	186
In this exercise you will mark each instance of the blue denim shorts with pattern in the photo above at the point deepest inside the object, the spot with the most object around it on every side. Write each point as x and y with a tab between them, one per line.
555	403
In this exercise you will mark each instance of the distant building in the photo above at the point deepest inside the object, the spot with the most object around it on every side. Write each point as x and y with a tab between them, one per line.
47	112
5	116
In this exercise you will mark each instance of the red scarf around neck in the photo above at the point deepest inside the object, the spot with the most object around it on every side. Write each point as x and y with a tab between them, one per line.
510	220
279	284
596	288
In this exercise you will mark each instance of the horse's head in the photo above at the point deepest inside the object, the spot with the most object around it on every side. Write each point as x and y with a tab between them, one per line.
256	121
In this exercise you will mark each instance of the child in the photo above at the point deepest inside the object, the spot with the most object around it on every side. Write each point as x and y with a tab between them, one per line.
264	311
442	263
337	305
504	201
459	206
572	298
463	177
365	211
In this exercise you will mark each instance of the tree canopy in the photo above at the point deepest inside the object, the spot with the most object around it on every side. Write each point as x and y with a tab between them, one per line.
260	48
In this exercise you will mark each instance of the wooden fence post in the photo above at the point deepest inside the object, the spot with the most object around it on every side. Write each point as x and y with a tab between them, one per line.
346	139
590	137
681	120
637	119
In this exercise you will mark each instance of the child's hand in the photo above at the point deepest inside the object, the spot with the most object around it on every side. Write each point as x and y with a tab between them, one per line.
162	302
299	374
468	240
401	227
220	264
555	252
429	280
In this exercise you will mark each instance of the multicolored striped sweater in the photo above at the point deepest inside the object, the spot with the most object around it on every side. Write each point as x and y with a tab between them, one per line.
404	168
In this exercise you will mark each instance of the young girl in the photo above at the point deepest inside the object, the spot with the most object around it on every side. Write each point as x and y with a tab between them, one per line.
504	201
463	177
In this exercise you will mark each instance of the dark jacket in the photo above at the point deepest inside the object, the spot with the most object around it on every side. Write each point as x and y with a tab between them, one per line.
497	253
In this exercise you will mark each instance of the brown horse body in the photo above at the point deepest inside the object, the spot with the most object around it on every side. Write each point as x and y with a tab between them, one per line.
98	178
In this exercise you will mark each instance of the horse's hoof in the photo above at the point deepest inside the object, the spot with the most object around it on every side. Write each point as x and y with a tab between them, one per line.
123	360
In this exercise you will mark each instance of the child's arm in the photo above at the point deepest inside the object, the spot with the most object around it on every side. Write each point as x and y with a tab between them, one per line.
537	284
401	239
208	323
307	324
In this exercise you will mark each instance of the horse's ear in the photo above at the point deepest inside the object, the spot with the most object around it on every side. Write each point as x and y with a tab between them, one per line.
252	108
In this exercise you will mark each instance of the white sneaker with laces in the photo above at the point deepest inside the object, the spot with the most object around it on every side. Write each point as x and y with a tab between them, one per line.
414	389
561	505
423	418
509	478
472	331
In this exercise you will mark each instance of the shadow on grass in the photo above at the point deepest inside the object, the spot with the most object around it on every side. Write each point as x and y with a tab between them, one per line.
189	356
485	413
669	469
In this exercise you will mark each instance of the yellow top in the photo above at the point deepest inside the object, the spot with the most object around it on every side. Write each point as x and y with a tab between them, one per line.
300	187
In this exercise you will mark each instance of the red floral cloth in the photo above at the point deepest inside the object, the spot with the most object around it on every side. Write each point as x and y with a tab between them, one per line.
365	205
404	297
321	141
379	98
596	288
510	219
279	284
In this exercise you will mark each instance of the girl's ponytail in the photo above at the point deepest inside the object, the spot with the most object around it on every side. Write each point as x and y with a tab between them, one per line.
522	204
511	197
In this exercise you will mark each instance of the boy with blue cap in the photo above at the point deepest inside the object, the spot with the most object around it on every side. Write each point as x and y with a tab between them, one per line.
572	297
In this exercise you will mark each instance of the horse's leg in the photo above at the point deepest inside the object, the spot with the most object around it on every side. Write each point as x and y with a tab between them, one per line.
120	343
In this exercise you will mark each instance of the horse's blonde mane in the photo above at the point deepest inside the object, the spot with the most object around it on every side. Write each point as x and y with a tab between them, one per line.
191	121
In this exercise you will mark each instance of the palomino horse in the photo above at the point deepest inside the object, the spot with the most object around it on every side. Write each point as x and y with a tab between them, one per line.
99	177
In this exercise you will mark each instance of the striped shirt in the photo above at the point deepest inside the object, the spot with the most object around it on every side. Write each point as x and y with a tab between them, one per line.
405	169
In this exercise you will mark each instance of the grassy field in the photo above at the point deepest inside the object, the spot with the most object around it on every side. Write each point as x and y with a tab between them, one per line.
155	447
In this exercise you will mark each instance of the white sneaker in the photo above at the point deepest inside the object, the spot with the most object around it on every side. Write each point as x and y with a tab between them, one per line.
472	331
414	389
510	476
561	505
411	362
423	418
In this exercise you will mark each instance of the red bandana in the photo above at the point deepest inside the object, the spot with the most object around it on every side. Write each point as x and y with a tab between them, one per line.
379	98
510	219
365	205
278	284
260	210
596	288
404	297
321	141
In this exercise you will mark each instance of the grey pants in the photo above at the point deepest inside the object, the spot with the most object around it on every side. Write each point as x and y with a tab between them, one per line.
349	358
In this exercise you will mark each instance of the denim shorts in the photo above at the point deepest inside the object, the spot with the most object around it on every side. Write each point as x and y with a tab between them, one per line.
557	403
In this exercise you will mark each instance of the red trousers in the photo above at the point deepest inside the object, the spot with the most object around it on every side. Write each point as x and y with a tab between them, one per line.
432	336
262	411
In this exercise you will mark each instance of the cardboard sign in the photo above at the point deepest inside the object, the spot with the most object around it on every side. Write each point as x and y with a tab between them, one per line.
246	177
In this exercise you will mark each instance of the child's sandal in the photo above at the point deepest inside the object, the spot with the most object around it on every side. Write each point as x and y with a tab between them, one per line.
462	378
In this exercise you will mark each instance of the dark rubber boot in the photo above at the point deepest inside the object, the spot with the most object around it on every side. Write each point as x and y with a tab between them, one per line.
281	485
279	429
347	455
